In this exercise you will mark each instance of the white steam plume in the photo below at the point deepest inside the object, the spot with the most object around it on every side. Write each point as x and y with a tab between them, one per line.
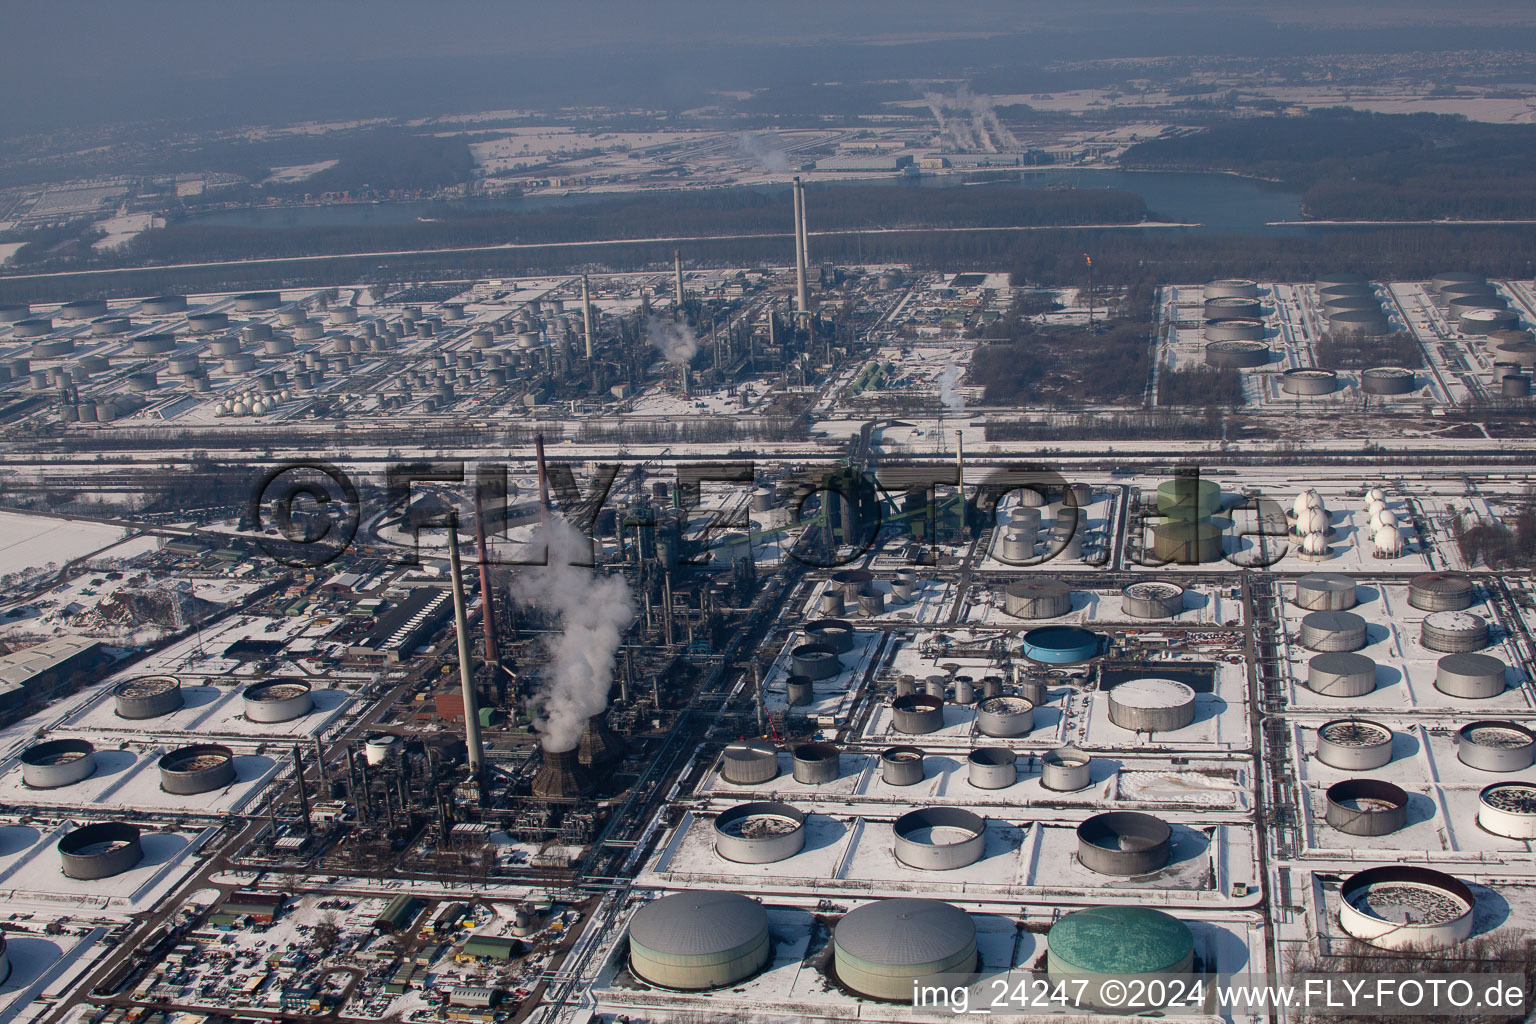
675	341
951	398
593	611
763	149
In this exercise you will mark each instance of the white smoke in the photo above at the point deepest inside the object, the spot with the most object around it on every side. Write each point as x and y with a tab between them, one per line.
675	341
948	380
975	124
593	611
763	149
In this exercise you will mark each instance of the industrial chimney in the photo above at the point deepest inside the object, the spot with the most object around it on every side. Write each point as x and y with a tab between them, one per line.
466	674
802	303
586	314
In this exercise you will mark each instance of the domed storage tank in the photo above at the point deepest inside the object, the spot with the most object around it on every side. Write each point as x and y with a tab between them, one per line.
834	633
1508	809
381	748
814	661
255	302
100	850
1453	632
1037	599
1152	705
901	766
817	763
1065	770
200	768
1231	287
1496	746
1341	674
1309	381
1152	599
880	949
1354	744
1399	906
1237	355
1471	676
1124	843
1138	946
55	763
760	833
917	714
1333	631
1441	591
699	939
147	697
939	838
992	767
1005	717
1388	380
277	700
1060	645
1325	591
1366	807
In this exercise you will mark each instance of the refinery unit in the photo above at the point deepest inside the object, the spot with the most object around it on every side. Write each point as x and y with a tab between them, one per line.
1131	720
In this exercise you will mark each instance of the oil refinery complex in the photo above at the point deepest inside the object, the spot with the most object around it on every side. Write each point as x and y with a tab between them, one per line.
700	645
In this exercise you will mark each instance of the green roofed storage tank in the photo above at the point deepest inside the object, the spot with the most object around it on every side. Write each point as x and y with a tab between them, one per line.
881	948
698	939
1188	498
1116	943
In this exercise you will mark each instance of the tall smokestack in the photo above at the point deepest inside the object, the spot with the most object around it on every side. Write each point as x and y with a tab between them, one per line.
487	595
677	269
298	778
538	447
801	305
466	676
960	474
586	314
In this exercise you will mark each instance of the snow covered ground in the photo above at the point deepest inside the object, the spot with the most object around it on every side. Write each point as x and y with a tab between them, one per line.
32	542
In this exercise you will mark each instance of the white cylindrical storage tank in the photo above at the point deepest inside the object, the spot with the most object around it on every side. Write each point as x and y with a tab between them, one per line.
1066	770
1471	676
52	764
1388	380
1496	746
871	602
35	327
200	768
277	700
992	767
1453	632
1116	946
1005	717
1236	355
901	766
255	302
760	833
100	850
1508	809
1232	287
817	763
1309	381
1124	843
207	323
1365	807
936	686
699	939
1341	674
1441	591
917	714
939	838
1152	705
749	762
1400	906
341	315
814	661
108	326
801	691
1017	547
883	948
242	362
381	748
82	309
163	305
1325	591
1333	631
1354	744
832	603
1037	599
1152	599
147	697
